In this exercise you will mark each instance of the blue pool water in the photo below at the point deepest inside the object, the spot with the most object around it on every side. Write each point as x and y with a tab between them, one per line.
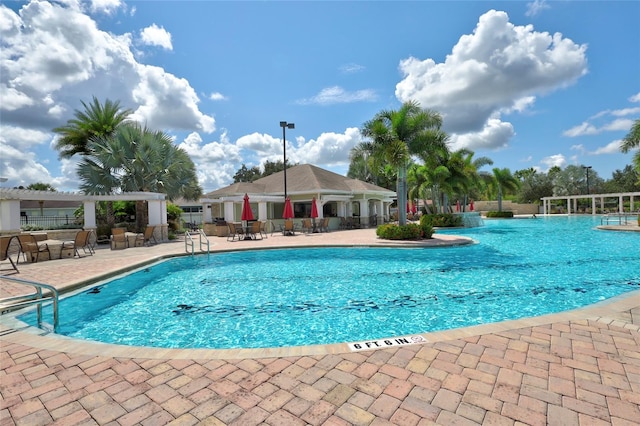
289	297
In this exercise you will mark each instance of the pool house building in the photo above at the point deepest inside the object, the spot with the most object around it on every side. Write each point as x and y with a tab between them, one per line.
336	197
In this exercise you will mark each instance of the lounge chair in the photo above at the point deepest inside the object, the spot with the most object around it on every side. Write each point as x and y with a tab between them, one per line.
307	226
119	238
81	241
148	236
235	232
31	246
5	243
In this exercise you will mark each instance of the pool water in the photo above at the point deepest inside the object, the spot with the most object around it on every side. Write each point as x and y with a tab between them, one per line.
288	297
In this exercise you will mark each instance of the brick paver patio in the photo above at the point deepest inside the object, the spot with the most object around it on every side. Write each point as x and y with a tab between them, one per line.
575	368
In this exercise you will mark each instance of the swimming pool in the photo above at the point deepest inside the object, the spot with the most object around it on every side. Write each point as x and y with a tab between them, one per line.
290	297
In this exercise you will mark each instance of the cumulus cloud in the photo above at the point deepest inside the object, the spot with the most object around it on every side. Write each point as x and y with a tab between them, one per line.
610	148
215	96
52	55
156	36
338	95
498	69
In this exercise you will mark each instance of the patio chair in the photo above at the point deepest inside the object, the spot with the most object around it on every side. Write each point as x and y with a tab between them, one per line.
323	225
5	243
263	229
148	236
235	232
31	246
307	226
81	241
289	228
119	238
255	230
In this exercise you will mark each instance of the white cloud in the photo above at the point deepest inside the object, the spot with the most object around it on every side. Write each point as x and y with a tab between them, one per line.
610	148
536	7
106	6
495	135
216	96
156	36
586	128
581	130
554	160
337	95
635	98
498	69
351	68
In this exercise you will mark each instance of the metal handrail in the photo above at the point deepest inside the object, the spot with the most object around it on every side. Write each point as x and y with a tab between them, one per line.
36	298
203	235
188	240
620	218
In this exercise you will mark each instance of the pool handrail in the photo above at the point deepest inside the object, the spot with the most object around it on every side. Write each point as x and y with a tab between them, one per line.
188	241
15	302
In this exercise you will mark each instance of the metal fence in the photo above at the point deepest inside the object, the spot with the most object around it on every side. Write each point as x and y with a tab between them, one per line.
47	222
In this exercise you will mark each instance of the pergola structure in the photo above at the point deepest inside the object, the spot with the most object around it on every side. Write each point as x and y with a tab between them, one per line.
572	201
10	206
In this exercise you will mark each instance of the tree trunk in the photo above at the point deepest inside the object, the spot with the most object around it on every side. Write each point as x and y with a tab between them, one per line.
402	195
141	215
111	217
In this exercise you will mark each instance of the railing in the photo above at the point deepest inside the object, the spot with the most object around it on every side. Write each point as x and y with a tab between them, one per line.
47	222
617	218
11	303
190	243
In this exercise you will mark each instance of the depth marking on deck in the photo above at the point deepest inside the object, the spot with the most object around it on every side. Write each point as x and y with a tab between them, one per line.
387	343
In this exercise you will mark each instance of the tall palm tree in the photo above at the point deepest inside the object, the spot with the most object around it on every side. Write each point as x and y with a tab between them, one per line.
503	181
96	120
398	135
134	159
632	140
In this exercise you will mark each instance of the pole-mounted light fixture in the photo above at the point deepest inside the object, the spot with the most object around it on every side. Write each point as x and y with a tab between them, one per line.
587	170
285	126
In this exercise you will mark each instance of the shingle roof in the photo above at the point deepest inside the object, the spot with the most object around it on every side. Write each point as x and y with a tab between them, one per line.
304	178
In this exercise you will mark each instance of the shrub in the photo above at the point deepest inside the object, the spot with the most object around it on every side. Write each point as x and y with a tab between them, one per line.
410	231
503	214
29	228
442	220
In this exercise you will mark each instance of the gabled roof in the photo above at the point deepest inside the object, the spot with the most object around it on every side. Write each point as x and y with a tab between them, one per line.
304	178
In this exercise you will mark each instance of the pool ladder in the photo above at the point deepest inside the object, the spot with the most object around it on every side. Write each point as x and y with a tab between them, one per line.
37	298
189	242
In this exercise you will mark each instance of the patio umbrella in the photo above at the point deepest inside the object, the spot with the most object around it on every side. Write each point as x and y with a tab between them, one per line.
471	205
314	212
288	210
247	214
457	205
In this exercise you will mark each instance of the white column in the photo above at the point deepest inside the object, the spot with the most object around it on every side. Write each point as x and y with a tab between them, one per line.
229	214
206	213
155	212
568	206
89	215
620	204
602	204
9	216
262	211
593	205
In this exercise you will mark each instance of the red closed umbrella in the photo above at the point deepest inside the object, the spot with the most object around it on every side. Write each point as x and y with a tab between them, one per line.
314	208
471	205
458	205
288	210
247	214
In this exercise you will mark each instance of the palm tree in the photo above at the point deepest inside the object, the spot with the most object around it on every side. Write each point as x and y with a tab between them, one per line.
503	181
632	140
95	121
398	135
138	159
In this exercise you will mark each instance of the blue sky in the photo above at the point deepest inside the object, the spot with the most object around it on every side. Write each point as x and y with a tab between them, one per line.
525	83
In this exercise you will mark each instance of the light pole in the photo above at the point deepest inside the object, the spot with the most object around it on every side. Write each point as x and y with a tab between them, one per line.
587	170
285	126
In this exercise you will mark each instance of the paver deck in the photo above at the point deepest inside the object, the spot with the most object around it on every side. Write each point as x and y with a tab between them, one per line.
575	368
